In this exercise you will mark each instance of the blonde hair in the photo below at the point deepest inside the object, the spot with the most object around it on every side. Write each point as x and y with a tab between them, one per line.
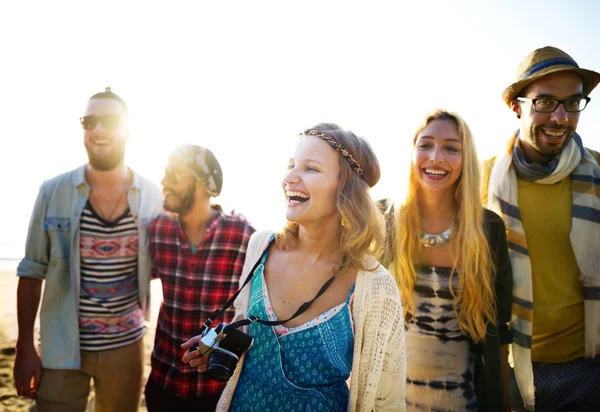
469	248
363	227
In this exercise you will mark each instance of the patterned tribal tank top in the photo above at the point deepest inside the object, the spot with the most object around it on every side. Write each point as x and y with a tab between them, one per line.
110	315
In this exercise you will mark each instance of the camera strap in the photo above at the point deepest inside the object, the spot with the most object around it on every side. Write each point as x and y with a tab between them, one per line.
209	321
303	308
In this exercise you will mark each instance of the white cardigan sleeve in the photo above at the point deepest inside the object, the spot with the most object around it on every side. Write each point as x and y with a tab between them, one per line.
391	391
256	246
378	380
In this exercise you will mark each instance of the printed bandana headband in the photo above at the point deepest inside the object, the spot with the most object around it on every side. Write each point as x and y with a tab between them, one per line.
337	147
203	165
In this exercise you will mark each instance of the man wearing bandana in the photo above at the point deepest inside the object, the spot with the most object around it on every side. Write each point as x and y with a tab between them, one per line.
198	253
546	186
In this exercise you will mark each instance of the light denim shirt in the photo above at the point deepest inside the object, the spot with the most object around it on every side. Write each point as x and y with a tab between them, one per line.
52	254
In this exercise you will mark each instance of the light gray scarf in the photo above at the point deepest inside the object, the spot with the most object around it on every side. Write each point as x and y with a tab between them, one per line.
574	161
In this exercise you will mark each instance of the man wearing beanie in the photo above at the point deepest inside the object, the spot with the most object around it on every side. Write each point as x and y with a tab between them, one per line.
546	187
198	253
87	242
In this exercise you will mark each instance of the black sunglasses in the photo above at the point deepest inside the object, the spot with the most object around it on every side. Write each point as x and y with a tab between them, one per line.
108	121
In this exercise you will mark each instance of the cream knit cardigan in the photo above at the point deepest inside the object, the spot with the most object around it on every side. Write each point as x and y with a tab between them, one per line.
378	378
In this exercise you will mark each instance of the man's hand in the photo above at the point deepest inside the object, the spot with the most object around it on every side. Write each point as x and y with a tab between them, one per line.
193	356
27	371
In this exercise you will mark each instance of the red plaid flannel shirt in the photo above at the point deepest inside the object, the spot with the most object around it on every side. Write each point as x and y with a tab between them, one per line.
193	287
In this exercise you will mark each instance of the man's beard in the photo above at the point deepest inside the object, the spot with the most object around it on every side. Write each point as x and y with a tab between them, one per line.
185	205
109	161
552	151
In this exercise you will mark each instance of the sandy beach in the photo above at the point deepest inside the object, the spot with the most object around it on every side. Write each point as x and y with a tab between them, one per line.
9	400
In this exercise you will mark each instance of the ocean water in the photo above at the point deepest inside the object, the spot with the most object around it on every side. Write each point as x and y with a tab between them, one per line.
10	255
8	264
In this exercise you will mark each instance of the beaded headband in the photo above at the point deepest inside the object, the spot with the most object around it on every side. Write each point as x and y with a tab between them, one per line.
337	147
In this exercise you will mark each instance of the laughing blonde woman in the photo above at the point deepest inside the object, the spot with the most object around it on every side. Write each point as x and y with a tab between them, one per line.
450	259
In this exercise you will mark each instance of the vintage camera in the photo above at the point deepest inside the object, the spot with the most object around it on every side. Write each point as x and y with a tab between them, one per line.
223	345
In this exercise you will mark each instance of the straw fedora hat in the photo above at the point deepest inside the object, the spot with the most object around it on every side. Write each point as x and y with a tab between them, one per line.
542	62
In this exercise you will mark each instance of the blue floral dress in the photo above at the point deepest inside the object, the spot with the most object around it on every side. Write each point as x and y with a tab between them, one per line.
295	369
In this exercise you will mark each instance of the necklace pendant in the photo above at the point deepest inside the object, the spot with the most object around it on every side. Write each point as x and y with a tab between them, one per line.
436	240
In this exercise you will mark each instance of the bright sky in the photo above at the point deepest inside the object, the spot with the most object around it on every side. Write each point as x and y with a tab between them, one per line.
245	77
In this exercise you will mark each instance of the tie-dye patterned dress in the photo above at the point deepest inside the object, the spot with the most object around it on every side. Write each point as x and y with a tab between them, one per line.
440	364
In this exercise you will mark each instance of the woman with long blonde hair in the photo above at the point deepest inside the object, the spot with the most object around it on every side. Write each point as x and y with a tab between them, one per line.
304	353
450	259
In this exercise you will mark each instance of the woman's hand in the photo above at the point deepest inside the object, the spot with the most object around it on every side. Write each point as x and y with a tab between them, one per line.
193	355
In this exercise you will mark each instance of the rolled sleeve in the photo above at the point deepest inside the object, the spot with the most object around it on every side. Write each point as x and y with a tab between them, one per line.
35	263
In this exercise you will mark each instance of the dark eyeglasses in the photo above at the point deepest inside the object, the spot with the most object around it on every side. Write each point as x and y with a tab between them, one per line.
174	175
545	105
108	121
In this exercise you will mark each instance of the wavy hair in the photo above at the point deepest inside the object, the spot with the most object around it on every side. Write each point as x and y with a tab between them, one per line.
469	249
363	227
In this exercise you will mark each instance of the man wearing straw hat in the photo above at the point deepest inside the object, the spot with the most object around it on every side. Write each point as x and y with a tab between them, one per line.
546	186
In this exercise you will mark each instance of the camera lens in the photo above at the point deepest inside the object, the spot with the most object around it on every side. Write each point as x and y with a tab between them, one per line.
221	366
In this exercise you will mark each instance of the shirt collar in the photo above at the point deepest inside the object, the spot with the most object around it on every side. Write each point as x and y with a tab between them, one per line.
211	224
79	178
